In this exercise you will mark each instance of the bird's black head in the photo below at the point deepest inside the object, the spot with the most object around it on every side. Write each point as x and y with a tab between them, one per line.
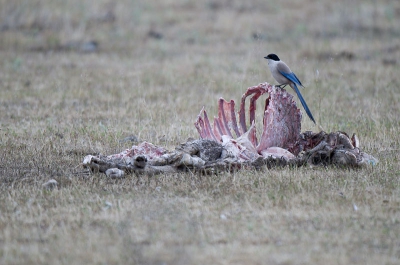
272	57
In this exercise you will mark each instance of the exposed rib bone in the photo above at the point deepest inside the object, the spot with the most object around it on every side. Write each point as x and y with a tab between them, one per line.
204	127
282	122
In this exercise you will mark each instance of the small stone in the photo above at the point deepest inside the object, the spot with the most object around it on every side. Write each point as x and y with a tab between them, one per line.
51	184
107	205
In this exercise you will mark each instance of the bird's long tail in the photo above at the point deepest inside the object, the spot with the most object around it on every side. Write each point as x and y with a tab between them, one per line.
303	102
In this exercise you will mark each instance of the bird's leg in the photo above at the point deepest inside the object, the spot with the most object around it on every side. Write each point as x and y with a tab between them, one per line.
280	86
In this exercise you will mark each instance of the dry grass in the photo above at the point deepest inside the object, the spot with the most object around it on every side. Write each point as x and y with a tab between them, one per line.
157	65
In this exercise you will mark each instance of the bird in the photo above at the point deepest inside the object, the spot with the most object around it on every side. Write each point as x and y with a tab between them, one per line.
284	76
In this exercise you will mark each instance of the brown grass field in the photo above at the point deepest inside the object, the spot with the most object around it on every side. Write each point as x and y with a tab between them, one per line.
156	64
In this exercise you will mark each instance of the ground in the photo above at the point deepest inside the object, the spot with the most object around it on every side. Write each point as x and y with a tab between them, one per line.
77	77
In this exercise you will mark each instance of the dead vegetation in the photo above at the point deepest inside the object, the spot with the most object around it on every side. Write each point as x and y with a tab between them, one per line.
156	65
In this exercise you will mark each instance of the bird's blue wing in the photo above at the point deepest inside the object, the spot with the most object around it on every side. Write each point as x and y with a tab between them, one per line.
298	80
303	102
292	77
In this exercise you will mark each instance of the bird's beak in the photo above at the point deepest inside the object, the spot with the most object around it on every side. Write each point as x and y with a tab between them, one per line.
266	57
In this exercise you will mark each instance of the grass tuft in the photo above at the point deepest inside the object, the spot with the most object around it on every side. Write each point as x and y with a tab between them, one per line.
156	66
